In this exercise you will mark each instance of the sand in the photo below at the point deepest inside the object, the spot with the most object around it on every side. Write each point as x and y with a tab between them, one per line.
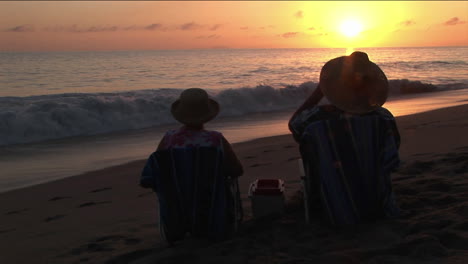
105	217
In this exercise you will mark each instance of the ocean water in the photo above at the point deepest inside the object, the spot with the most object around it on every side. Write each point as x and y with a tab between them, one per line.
63	113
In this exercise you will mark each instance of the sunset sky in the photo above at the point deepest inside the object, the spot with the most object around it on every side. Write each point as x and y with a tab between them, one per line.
149	25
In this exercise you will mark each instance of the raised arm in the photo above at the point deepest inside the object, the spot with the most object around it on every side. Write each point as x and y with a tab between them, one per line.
310	102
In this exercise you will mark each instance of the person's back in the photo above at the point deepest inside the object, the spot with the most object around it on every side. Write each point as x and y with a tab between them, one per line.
349	147
348	160
191	167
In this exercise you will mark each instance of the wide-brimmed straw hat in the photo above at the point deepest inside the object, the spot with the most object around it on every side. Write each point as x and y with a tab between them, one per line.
353	83
194	107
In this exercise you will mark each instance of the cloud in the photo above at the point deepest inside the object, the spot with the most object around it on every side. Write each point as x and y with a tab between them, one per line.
22	28
113	28
190	26
215	27
77	29
154	27
132	27
311	28
454	21
290	34
407	23
213	36
102	29
244	28
267	27
299	14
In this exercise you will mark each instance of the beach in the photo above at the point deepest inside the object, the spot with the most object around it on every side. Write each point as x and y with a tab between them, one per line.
104	216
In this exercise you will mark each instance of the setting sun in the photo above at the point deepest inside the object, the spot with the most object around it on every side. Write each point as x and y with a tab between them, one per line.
350	28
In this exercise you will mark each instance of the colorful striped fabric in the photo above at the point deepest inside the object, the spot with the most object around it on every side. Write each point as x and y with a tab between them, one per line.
192	191
348	161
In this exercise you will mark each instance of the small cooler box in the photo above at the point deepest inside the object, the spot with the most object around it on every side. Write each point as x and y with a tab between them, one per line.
267	197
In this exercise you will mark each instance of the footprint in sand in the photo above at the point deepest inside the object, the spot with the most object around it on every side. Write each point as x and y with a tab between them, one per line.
439	186
7	230
101	244
94	247
418	167
259	164
53	218
93	204
56	198
110	237
101	189
16	211
132	241
452	240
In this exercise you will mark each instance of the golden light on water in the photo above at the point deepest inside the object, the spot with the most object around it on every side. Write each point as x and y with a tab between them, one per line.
349	51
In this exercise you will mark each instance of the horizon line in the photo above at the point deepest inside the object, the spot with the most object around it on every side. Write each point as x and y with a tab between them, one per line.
226	48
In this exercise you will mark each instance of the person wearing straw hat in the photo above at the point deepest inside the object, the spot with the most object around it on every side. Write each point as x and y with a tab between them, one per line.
194	173
348	142
349	85
193	109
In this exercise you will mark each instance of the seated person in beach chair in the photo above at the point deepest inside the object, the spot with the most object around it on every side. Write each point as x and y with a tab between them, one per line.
349	145
194	174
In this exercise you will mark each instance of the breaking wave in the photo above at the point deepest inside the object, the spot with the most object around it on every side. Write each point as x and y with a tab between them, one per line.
39	118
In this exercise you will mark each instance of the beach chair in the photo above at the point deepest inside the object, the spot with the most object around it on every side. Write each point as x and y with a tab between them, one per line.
194	195
346	165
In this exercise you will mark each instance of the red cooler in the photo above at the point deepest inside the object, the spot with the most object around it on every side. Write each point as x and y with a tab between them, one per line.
267	197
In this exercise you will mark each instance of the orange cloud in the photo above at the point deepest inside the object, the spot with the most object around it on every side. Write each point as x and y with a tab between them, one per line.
154	27
22	28
112	28
407	23
290	34
454	21
190	26
214	36
215	27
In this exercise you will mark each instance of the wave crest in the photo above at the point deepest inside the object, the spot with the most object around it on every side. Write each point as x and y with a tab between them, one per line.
38	118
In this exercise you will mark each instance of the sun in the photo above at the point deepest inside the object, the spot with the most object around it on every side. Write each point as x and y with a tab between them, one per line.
350	28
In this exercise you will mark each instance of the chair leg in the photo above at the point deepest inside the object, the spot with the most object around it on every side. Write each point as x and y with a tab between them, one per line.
238	210
306	199
304	190
163	232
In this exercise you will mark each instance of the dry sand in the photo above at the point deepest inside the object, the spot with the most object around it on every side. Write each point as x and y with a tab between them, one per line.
105	217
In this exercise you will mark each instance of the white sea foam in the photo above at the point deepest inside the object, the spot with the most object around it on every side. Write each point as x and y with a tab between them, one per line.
38	118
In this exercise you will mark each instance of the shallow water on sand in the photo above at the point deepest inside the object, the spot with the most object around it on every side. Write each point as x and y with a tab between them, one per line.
30	164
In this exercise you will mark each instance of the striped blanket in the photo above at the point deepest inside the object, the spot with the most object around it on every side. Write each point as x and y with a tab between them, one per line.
194	196
348	161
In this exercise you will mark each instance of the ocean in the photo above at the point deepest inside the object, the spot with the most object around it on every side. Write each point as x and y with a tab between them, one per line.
65	113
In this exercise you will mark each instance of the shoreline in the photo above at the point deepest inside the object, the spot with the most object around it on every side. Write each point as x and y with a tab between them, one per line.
104	215
130	162
63	158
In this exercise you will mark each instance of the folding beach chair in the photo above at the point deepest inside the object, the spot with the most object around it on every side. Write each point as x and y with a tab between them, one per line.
194	196
347	163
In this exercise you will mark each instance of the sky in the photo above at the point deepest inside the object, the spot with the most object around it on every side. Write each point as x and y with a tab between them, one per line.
153	25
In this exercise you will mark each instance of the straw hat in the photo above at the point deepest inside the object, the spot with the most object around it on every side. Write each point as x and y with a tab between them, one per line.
194	107
353	83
